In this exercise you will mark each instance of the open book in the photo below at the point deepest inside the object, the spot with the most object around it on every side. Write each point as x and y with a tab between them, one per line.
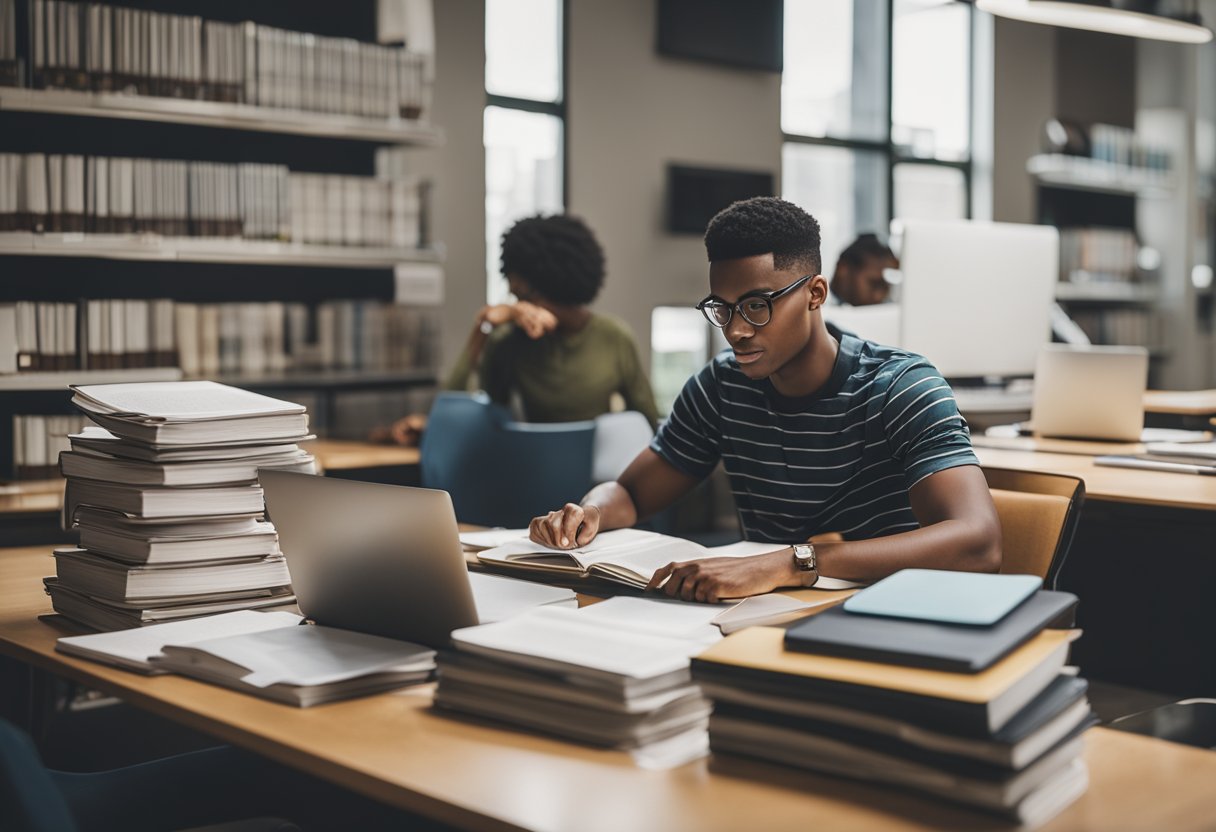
626	556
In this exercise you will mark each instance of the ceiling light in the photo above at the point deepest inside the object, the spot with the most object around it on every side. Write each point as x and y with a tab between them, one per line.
1101	16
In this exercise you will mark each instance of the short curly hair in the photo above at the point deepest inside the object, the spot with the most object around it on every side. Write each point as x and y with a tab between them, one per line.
865	247
557	256
762	225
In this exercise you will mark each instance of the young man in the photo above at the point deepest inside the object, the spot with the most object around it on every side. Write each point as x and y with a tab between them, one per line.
859	278
819	432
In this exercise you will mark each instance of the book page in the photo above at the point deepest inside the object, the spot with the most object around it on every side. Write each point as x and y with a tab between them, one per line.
661	616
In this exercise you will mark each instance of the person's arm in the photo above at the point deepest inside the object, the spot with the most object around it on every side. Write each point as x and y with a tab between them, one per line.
648	485
636	389
959	530
534	320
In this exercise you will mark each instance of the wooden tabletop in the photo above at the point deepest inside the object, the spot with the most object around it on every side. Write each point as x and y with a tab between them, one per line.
1181	402
480	776
1104	482
338	454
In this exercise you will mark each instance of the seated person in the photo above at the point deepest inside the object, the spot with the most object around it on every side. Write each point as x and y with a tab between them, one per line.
859	279
564	361
819	432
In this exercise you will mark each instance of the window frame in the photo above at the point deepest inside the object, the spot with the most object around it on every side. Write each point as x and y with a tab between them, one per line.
894	155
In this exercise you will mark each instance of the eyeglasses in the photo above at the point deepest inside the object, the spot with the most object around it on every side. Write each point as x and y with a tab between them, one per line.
755	307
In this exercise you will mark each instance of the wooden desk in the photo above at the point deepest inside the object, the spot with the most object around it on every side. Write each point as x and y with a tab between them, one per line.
478	776
339	455
1111	484
1181	402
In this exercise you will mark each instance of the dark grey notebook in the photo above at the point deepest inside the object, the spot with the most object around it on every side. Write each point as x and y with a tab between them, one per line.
953	647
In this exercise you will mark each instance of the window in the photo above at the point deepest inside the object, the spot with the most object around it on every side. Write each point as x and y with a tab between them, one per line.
876	114
524	125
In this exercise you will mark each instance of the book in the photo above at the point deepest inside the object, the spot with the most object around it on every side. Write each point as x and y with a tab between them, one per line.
132	649
99	440
978	704
626	556
91	466
929	644
178	528
1031	796
972	598
160	549
95	575
1056	712
290	427
300	665
154	501
105	614
765	610
497	597
1173	463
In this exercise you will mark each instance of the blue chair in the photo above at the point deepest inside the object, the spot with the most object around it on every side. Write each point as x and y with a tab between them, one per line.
498	471
159	795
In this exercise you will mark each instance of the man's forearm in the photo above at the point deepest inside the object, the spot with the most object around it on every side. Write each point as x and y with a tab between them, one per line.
951	544
616	507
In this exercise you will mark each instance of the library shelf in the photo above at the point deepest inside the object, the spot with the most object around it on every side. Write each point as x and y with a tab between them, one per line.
1106	292
330	380
60	379
208	250
219	114
1084	174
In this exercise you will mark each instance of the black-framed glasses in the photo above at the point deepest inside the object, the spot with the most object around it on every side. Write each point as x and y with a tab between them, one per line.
755	307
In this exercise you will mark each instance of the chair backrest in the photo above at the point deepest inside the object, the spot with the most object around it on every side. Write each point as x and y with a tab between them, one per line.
500	472
29	799
1038	514
619	437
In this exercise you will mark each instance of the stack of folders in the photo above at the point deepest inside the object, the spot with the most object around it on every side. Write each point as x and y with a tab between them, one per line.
565	673
946	683
265	654
165	495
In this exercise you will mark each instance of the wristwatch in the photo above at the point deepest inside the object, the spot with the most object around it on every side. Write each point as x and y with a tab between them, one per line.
804	561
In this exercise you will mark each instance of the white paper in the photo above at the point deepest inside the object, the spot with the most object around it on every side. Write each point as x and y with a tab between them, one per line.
490	538
497	597
667	617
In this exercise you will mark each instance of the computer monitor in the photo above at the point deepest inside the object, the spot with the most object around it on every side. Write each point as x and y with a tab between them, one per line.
976	296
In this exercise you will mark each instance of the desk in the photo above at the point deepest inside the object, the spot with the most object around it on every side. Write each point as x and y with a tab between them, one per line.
478	776
340	455
1144	543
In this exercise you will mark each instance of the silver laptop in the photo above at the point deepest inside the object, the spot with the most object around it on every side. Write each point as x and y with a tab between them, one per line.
378	559
1090	392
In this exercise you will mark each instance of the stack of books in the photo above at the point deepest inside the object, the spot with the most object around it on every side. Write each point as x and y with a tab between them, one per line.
909	688
565	673
165	494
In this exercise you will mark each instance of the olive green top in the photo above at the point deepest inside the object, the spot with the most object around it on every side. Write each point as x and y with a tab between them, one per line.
561	377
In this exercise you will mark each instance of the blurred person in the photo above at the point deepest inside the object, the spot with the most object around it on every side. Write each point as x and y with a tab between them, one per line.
859	278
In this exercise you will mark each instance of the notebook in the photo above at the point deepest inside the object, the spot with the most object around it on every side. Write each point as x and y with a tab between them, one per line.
974	598
929	644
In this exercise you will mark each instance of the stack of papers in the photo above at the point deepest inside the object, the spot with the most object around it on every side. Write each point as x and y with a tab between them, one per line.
164	491
1178	457
266	654
599	675
957	691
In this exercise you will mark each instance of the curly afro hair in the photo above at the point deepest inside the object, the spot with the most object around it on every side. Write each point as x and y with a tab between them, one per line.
762	225
557	256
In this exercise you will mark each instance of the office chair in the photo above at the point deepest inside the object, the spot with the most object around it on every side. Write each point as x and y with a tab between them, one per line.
1039	514
36	799
619	437
498	471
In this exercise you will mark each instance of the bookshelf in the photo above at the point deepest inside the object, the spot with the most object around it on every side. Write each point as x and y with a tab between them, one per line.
250	122
1109	283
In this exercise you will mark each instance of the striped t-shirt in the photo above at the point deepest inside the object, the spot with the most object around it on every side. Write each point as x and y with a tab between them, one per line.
840	460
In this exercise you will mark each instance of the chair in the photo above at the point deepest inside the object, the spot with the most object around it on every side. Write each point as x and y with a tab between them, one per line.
35	799
500	472
1038	514
619	437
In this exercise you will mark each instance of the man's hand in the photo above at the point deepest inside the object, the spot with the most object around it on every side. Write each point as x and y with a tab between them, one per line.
534	320
713	579
571	525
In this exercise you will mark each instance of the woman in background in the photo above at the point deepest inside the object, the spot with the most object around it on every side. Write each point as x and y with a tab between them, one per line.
548	350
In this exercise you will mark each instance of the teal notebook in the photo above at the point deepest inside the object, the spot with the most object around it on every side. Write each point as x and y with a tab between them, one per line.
974	598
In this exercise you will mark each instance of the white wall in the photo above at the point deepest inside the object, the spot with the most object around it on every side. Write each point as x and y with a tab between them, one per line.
630	113
1024	97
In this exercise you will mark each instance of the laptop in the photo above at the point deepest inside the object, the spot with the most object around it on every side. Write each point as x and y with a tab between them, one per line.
385	559
1090	392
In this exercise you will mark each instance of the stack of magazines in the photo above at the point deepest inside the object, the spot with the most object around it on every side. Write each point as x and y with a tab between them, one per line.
582	677
950	684
164	491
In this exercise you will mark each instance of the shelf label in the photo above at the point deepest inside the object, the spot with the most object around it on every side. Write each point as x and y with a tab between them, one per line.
420	284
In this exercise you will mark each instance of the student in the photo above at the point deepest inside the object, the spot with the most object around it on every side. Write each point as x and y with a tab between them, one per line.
859	279
563	361
818	430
